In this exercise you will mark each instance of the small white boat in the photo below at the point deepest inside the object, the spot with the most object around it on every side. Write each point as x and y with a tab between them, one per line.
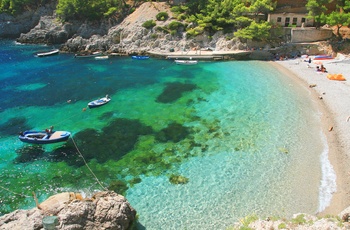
47	53
99	102
88	55
186	62
101	57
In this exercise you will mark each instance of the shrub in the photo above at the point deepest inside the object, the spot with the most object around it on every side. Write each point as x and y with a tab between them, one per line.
299	219
110	11
174	25
181	17
161	29
194	32
282	226
162	16
149	24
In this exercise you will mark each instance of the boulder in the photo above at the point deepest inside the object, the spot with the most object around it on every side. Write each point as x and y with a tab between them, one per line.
104	210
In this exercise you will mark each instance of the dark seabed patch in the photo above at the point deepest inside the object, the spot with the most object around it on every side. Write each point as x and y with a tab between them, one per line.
115	140
14	126
29	154
173	132
174	91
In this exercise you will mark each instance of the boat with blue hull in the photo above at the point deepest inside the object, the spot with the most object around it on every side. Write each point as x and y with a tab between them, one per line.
44	137
140	57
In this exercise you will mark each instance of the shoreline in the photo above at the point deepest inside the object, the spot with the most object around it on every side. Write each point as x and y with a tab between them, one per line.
330	97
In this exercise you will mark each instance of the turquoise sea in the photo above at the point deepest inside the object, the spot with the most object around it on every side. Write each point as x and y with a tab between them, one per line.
191	147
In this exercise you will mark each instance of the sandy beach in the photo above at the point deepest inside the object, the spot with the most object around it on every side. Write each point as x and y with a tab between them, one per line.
333	99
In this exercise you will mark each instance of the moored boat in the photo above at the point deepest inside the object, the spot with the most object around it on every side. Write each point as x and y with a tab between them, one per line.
101	57
43	137
47	53
88	55
140	57
99	102
186	62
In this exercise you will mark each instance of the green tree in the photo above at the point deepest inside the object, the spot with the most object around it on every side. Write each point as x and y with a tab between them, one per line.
338	18
316	9
88	9
255	31
19	6
257	7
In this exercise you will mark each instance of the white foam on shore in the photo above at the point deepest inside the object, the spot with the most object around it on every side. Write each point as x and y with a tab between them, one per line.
328	182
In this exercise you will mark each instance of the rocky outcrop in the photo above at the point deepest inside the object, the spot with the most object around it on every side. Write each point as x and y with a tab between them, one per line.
105	210
12	27
131	37
50	30
300	221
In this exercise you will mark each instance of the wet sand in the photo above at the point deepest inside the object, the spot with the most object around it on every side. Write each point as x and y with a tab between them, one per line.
333	99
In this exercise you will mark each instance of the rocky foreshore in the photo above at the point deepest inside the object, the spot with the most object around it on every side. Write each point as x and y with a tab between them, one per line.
104	210
108	210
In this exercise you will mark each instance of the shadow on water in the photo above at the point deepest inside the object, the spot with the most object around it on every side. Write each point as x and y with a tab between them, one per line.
14	126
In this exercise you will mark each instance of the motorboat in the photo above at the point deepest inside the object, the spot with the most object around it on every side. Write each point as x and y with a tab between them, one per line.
99	102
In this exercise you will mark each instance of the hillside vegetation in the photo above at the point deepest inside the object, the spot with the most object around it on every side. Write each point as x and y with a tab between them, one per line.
244	19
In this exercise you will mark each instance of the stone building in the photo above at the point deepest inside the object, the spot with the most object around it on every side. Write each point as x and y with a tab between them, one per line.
291	17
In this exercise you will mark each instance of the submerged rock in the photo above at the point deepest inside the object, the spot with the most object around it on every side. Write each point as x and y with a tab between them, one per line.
105	210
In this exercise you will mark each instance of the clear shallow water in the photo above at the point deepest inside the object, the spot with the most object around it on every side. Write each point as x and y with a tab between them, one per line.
244	136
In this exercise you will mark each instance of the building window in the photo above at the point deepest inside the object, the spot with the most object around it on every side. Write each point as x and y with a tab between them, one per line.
303	20
279	19
286	22
295	20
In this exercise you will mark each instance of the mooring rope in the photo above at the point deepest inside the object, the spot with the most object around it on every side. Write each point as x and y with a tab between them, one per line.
15	193
81	155
69	118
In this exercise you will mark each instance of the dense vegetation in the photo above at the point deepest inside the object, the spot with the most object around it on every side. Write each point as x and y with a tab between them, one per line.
340	17
19	6
247	19
89	9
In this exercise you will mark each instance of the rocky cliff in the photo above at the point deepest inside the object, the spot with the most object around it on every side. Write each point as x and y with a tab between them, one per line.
12	27
127	37
105	210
